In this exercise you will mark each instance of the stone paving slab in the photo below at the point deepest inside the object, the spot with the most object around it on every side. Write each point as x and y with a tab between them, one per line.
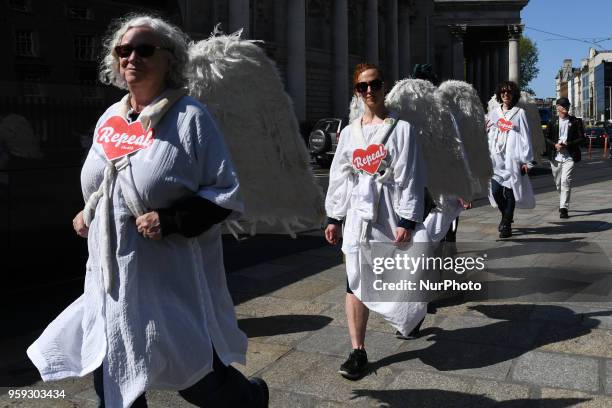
261	355
334	296
281	398
271	306
428	389
422	389
577	340
334	341
553	397
557	370
314	374
375	321
305	289
608	374
336	274
453	357
488	331
499	392
283	330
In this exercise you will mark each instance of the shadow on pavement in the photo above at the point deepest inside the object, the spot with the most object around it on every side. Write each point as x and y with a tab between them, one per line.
594	212
282	324
483	346
55	282
433	398
567	227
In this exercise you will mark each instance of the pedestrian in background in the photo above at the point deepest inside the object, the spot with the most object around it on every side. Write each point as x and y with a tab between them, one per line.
564	137
511	154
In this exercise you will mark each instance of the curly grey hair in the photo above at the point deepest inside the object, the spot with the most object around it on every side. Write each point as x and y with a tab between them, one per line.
170	36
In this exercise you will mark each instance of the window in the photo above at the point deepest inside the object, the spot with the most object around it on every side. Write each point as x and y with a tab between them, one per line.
31	85
20	5
79	13
85	47
25	43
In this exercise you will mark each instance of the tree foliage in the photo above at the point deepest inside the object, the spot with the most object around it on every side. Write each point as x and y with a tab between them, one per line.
529	62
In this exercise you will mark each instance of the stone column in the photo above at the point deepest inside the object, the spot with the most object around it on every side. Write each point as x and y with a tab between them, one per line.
296	56
496	77
514	58
341	78
458	32
280	17
478	76
239	17
391	45
371	31
405	65
486	72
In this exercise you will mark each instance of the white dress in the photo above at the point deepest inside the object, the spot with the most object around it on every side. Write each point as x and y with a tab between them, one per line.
168	302
508	151
401	196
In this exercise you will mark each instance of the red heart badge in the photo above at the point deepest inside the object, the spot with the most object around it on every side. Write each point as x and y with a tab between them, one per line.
504	125
119	138
369	160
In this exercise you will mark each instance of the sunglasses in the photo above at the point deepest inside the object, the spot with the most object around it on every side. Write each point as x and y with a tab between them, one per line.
503	91
142	50
375	85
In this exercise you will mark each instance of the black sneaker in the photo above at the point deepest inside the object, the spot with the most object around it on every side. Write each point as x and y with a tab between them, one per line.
261	394
506	231
355	366
412	335
501	224
563	213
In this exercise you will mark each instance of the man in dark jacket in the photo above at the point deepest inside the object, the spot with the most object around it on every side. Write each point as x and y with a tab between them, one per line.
564	137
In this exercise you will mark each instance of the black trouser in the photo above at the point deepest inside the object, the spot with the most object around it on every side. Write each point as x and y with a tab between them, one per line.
504	198
223	387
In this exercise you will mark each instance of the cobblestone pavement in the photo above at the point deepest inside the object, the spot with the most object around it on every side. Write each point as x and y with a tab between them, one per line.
522	351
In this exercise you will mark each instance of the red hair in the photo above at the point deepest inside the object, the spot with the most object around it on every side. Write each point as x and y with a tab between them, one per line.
364	66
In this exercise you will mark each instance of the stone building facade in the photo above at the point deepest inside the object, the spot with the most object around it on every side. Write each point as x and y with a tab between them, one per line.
588	87
316	43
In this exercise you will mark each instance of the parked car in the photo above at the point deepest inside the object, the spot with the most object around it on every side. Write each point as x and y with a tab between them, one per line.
323	140
596	136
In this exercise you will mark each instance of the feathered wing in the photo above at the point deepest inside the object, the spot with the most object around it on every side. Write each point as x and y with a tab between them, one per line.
242	88
356	108
17	135
414	101
464	103
535	125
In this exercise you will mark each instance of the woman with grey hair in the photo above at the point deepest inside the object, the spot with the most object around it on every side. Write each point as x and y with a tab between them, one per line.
158	180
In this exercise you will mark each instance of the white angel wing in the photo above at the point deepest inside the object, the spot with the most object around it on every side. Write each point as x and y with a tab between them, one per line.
17	135
464	103
535	125
492	104
414	101
356	109
242	88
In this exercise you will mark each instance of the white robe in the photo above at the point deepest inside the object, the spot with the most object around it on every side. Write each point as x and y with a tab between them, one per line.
508	152
169	302
401	196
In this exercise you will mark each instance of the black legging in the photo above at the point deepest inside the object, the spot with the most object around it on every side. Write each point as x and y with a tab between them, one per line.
504	198
223	387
